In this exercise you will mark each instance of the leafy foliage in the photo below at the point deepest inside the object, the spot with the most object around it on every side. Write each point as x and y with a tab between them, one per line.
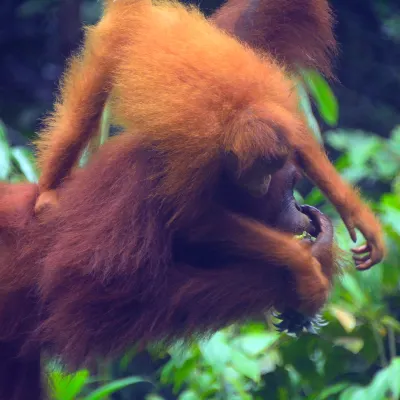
16	163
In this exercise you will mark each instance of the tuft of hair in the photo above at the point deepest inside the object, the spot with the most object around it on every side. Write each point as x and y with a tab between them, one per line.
298	33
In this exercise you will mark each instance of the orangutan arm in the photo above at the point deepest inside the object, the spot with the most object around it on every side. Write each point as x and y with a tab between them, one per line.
354	212
244	238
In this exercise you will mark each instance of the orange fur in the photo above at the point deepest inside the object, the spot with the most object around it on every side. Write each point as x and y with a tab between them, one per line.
152	240
193	92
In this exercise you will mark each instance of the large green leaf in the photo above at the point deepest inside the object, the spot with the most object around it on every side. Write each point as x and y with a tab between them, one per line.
384	380
189	395
115	386
246	366
216	351
354	393
349	282
330	391
99	139
254	344
67	386
5	160
26	162
183	373
5	154
325	99
3	132
306	107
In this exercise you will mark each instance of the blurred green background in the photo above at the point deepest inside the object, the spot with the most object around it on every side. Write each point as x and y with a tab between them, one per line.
357	356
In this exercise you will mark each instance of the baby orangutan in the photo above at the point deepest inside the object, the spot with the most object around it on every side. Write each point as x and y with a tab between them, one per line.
184	223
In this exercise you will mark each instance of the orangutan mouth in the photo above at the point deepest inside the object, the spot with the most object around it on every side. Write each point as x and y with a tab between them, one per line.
314	227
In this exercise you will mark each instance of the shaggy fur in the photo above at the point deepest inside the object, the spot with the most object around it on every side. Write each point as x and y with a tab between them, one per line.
110	271
195	93
298	33
150	242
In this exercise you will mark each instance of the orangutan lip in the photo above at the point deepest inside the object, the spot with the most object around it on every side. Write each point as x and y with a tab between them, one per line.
315	227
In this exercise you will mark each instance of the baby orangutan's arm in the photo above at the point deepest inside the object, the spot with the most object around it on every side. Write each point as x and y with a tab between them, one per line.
77	113
354	212
242	237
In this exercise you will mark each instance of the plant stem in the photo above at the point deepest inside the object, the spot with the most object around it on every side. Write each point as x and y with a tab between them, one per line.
379	344
392	343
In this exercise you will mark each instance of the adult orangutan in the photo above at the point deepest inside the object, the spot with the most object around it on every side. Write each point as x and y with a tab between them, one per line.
184	223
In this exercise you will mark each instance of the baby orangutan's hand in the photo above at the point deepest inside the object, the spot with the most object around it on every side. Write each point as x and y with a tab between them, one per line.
371	253
46	199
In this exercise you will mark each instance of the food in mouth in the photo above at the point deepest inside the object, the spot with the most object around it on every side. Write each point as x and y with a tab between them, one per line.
313	228
305	236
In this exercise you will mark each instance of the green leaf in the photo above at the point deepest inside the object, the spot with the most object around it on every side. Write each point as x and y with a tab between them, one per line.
216	351
126	359
257	343
153	396
363	152
346	319
395	136
99	139
234	378
379	386
5	160
386	164
205	382
305	105
182	374
352	344
354	289
231	374
396	186
85	157
105	124
67	386
314	197
325	99
298	197
390	211
384	380
189	395
3	132
391	323
360	144
393	376
331	390
354	393
181	354
115	386
246	366
26	162
167	372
